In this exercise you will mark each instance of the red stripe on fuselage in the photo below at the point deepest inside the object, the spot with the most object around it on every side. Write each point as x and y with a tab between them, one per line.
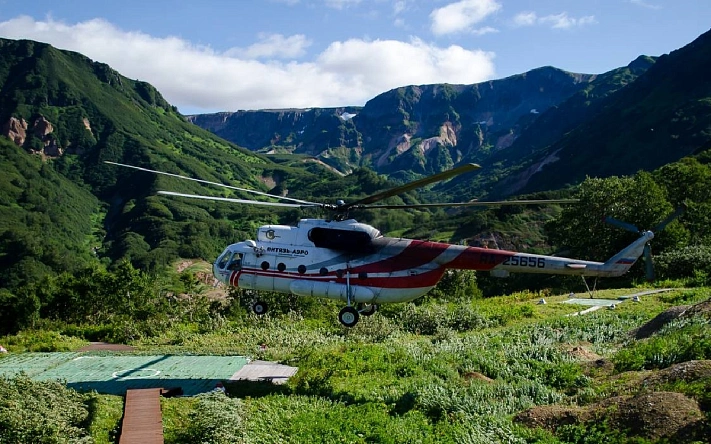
477	258
419	253
415	254
234	278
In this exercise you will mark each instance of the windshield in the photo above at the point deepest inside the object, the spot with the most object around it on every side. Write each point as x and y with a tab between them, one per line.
223	260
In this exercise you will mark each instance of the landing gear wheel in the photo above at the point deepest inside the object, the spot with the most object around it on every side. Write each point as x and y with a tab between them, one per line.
259	308
367	310
348	316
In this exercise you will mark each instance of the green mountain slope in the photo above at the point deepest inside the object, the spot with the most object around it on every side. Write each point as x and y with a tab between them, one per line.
75	114
662	116
46	221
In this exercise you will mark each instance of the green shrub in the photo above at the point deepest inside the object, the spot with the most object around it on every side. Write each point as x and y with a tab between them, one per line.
433	318
693	261
594	433
42	341
215	419
679	341
41	412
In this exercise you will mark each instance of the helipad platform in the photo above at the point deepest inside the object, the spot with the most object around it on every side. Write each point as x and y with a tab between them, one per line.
593	302
596	304
114	374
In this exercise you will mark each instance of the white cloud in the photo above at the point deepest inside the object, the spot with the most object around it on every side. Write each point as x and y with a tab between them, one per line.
381	65
399	6
274	46
341	4
557	21
525	19
461	16
199	79
644	4
485	30
563	21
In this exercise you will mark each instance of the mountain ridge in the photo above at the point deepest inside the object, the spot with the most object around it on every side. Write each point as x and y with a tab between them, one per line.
396	129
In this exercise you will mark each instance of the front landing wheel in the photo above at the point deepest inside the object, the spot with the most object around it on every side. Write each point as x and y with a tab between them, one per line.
348	316
259	307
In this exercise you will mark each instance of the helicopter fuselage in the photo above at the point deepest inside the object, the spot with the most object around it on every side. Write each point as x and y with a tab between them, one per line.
353	262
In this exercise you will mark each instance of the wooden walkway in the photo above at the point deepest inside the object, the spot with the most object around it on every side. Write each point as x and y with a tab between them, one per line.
142	418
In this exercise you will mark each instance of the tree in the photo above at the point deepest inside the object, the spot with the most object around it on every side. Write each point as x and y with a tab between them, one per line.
18	310
639	200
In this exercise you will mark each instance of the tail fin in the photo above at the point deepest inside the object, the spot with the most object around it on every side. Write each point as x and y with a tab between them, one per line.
621	262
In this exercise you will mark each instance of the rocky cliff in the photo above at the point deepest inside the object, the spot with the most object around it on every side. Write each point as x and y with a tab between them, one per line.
421	129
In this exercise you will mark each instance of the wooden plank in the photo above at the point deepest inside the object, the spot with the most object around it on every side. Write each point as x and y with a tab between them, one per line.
142	418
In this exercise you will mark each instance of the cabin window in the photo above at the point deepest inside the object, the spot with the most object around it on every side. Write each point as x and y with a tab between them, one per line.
235	262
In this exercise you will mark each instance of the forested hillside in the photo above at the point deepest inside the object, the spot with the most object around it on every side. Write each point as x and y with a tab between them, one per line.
46	221
67	115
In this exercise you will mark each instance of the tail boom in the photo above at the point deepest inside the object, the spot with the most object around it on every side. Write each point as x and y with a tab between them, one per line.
473	258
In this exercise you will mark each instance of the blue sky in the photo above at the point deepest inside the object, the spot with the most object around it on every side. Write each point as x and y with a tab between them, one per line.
225	55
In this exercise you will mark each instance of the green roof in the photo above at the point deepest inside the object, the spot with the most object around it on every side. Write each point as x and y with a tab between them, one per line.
114	374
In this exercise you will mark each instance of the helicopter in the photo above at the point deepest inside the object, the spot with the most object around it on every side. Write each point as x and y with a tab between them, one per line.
342	259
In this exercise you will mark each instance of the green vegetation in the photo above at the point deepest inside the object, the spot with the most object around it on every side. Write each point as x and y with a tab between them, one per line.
397	377
680	341
46	412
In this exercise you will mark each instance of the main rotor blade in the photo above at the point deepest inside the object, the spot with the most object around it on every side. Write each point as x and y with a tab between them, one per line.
247	190
416	184
669	218
620	224
242	201
472	204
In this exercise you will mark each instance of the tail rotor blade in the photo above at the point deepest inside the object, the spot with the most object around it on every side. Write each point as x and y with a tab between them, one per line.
669	219
648	265
620	224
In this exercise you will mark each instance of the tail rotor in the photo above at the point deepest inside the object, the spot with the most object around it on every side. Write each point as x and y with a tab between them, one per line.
648	264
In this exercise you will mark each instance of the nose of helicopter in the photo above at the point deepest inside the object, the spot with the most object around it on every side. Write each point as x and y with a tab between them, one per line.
218	269
215	272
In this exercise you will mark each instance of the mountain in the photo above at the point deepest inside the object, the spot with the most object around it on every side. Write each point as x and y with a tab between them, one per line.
541	130
422	129
661	116
62	115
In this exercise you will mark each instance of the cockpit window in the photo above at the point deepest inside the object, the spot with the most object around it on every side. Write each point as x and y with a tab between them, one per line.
236	262
224	259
